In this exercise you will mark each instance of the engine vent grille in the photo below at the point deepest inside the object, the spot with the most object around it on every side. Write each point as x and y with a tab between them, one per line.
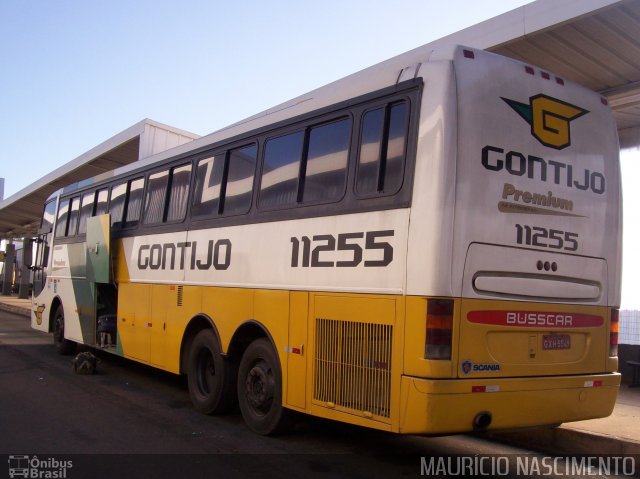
180	292
353	366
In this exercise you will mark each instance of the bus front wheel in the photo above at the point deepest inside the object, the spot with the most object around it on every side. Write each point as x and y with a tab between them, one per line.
260	390
62	345
211	377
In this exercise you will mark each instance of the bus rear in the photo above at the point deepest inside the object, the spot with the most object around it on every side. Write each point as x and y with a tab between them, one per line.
536	255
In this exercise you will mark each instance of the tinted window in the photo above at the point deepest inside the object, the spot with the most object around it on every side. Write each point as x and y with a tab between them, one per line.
116	207
369	159
134	202
73	216
156	196
101	204
86	210
239	184
61	222
207	189
398	125
382	150
46	225
279	183
179	193
326	165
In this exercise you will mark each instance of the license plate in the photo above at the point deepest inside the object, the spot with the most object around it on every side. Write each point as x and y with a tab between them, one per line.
556	341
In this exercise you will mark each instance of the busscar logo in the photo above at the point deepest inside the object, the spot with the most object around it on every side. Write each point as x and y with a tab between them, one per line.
549	119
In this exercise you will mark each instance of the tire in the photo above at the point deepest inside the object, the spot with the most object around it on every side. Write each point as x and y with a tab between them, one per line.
211	377
260	390
62	345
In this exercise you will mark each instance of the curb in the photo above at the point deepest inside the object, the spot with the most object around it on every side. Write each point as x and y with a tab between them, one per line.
11	308
565	440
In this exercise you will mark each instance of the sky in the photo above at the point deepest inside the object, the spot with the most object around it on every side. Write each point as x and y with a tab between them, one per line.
73	73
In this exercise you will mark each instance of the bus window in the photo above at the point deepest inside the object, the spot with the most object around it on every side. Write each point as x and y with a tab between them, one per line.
398	126
116	206
101	203
134	202
207	188
61	223
86	210
279	185
382	150
73	216
179	193
239	184
326	165
156	197
46	225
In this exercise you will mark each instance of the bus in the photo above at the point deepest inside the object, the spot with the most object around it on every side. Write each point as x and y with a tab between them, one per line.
430	246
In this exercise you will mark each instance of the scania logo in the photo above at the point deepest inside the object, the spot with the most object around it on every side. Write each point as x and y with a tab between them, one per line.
549	119
467	366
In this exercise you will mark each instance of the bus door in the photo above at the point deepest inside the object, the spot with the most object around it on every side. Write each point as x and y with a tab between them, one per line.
99	275
40	264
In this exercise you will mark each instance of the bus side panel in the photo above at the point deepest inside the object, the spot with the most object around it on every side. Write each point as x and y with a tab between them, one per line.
298	349
429	246
134	320
68	282
351	357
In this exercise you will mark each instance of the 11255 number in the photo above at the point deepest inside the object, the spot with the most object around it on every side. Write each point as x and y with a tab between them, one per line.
312	249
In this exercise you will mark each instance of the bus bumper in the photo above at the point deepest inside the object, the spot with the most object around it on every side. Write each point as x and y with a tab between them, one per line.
443	406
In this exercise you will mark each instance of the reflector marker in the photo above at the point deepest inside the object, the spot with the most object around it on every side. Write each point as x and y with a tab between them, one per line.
492	388
592	384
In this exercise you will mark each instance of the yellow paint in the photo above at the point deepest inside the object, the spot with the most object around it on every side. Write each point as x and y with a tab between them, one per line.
511	346
134	319
297	363
425	396
449	406
158	325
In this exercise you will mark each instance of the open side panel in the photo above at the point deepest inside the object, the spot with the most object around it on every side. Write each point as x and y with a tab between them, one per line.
100	277
99	249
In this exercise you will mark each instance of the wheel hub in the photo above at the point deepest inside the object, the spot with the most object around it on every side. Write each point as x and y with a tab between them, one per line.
259	388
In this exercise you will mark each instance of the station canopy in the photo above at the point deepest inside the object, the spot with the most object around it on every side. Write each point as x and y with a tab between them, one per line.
593	42
20	213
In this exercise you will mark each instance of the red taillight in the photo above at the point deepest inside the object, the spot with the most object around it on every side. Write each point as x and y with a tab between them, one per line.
613	332
439	327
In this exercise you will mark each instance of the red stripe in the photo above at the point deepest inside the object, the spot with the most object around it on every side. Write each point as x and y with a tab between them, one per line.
535	319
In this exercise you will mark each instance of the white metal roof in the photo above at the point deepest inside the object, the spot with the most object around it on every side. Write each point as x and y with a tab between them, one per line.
593	42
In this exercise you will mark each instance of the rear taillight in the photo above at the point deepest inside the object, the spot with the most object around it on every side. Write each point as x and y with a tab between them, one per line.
613	332
439	327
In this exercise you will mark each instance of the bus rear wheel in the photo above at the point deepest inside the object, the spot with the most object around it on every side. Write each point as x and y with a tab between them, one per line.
211	377
260	390
62	345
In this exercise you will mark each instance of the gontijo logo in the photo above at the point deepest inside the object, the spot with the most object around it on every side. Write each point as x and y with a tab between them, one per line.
549	119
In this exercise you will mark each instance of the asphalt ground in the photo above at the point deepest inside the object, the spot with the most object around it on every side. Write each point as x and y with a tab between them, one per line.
129	420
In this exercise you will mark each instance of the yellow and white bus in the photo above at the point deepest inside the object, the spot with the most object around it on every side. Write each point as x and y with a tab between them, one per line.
430	246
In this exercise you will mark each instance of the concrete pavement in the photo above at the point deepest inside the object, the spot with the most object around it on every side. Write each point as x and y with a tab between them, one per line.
618	434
